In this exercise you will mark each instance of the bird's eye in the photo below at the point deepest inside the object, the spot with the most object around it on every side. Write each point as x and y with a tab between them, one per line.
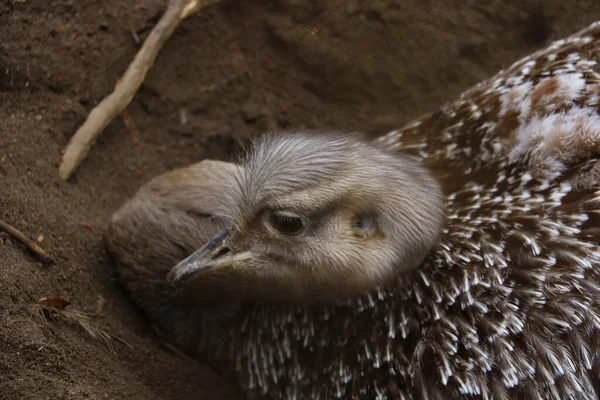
286	222
364	222
365	225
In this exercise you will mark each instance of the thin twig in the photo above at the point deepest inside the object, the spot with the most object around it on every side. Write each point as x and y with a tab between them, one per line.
134	34
30	244
126	88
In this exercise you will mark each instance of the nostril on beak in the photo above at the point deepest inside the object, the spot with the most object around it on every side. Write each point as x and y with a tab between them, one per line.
221	252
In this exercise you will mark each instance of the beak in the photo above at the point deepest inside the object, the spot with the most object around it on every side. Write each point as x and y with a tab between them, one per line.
215	257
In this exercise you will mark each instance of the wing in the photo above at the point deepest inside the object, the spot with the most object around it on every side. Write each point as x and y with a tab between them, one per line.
542	111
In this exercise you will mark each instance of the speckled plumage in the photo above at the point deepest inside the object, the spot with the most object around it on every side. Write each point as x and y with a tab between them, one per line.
507	304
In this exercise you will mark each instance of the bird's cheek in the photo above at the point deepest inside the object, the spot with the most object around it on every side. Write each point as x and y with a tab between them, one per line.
252	266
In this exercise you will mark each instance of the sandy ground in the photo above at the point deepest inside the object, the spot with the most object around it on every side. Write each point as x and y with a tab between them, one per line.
237	69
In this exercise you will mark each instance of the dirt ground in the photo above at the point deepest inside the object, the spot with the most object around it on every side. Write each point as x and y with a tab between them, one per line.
241	67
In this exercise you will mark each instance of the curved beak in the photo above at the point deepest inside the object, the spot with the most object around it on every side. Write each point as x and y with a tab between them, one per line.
215	257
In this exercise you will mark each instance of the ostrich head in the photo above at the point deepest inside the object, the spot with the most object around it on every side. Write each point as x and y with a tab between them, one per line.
317	217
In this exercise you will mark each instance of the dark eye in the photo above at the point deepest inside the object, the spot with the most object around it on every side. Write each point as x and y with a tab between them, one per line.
365	224
286	222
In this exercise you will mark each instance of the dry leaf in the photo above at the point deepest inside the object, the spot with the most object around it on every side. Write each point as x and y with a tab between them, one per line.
58	303
88	227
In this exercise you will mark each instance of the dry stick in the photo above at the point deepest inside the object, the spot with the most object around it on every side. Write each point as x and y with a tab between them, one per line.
30	244
126	88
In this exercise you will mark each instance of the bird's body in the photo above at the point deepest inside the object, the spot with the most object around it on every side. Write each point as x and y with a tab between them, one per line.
506	303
